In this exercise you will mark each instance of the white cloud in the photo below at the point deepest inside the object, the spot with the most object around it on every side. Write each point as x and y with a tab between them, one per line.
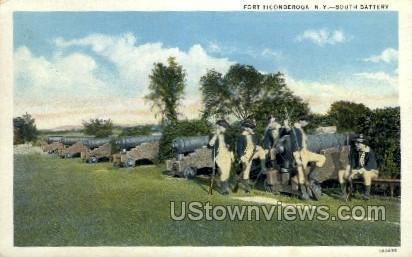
320	95
387	56
323	37
82	84
272	53
379	77
217	48
134	62
71	75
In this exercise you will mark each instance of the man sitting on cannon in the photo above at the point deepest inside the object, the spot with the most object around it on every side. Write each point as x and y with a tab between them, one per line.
362	164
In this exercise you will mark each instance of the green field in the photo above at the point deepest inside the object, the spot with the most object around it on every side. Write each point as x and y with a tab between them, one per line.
67	203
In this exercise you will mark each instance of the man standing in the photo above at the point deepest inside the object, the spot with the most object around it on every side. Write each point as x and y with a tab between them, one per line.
270	140
303	156
363	164
224	157
248	150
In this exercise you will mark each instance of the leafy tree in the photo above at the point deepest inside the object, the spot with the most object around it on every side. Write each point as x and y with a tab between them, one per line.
98	127
348	116
382	129
245	92
318	120
166	87
25	129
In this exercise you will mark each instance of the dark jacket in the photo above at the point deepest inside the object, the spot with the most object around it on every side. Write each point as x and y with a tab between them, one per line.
295	139
370	160
283	132
268	140
241	143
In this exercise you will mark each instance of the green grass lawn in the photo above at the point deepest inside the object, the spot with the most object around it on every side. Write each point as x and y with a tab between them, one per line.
67	203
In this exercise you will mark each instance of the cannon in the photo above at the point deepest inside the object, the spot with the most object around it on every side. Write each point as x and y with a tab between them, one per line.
52	139
51	143
192	154
335	148
71	140
131	142
182	145
136	149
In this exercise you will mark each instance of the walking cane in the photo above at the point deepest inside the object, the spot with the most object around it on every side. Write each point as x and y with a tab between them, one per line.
212	178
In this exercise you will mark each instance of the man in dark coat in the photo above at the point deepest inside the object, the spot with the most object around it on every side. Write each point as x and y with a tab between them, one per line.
270	141
248	149
303	156
363	164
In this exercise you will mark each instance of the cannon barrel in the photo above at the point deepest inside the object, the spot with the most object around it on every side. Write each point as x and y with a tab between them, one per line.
96	142
73	140
130	142
189	144
318	142
52	139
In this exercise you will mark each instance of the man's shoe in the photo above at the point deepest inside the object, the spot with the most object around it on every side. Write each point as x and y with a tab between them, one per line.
303	192
367	192
344	194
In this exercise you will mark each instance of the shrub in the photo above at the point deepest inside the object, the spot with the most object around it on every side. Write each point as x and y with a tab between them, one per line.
140	130
182	128
98	127
24	129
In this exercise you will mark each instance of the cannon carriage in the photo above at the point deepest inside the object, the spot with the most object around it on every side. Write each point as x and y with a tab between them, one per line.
98	149
192	154
51	144
74	146
136	149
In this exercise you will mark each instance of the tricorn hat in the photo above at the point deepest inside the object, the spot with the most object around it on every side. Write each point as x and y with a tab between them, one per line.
222	123
249	123
360	139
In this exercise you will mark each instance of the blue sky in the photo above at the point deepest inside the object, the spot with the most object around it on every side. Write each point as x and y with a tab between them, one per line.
321	53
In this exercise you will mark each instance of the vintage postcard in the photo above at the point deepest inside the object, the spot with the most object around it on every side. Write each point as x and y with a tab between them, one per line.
186	128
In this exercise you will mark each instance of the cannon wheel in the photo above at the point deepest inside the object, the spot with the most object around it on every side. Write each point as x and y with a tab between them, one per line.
129	163
189	173
93	159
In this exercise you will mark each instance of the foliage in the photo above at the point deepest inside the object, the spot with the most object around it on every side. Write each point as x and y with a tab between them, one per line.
141	130
166	88
24	129
244	92
381	127
185	128
382	130
317	120
98	127
348	116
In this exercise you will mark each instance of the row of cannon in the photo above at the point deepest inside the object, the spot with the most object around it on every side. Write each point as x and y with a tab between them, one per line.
122	151
190	153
